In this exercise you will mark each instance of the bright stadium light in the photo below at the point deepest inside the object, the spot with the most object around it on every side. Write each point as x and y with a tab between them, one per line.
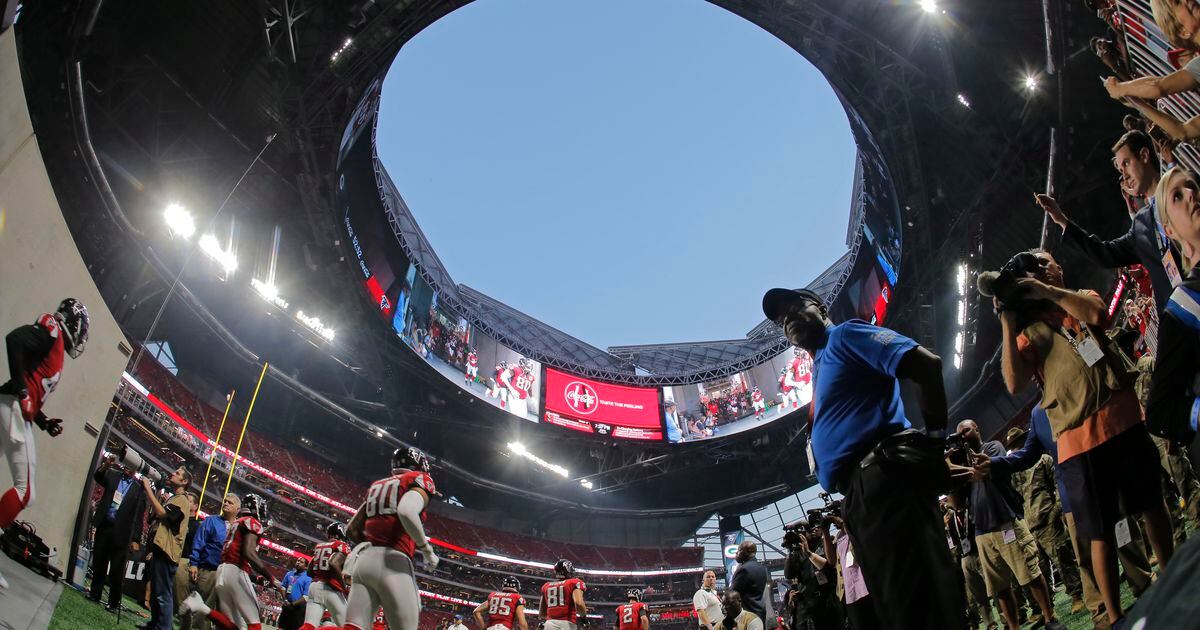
586	484
179	221
929	6
962	100
337	53
227	259
268	292
517	448
316	325
1031	82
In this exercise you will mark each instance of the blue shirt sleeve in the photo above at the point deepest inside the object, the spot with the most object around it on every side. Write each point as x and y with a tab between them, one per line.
199	541
1021	459
879	348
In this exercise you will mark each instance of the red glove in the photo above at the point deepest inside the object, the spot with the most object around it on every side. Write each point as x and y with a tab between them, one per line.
27	410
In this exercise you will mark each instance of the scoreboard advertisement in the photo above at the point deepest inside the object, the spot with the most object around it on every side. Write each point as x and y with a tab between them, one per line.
600	408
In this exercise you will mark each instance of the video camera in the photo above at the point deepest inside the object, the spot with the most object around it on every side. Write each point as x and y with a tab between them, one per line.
1003	284
132	460
958	451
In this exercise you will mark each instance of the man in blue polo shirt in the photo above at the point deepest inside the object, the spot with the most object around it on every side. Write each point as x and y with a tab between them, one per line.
864	447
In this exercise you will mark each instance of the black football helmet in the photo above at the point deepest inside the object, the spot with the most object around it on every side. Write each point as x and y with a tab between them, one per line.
336	531
256	506
564	567
504	365
634	594
524	363
796	351
410	458
511	581
72	315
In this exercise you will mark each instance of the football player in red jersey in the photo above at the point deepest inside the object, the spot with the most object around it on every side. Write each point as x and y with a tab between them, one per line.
760	406
801	371
520	386
500	387
391	521
35	362
505	608
472	367
633	616
787	392
237	603
562	606
380	621
328	590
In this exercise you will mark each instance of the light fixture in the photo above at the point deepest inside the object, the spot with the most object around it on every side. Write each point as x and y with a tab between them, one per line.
316	325
179	221
958	342
928	6
517	448
961	278
1031	82
586	483
268	292
962	100
962	312
337	53
225	258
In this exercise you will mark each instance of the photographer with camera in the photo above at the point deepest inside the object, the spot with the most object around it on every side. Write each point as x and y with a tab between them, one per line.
1007	551
858	607
166	546
812	578
865	448
1110	466
118	524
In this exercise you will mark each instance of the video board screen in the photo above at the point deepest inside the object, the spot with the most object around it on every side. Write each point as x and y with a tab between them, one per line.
741	401
604	409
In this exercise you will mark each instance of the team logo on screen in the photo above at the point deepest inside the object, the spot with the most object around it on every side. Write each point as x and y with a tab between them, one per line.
581	397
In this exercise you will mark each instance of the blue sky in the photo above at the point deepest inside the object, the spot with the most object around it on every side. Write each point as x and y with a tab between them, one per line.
627	171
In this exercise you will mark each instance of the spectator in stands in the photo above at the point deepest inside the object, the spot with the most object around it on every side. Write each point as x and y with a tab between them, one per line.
295	584
737	619
167	546
205	557
1144	243
706	603
1179	20
865	447
1007	551
1170	410
752	579
1107	458
458	623
118	521
672	421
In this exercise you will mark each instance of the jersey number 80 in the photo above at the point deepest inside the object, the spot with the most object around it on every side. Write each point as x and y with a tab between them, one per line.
383	498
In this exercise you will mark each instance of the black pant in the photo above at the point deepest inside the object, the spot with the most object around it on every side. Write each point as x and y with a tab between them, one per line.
109	553
862	615
292	616
162	591
899	540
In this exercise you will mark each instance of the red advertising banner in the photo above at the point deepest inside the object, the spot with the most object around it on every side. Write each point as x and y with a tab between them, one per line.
585	405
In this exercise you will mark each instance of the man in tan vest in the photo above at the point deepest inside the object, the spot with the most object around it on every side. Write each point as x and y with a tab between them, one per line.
735	617
167	546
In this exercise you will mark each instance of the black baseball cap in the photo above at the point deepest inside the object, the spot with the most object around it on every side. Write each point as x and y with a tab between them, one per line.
776	301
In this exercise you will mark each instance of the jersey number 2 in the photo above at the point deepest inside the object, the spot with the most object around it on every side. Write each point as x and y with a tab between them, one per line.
627	615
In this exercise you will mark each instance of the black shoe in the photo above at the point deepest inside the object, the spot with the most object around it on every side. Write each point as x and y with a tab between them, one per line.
113	609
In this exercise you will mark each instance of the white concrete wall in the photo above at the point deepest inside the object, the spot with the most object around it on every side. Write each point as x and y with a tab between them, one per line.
39	266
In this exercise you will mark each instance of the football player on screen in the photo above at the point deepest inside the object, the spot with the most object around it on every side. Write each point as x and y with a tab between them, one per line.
562	606
500	389
801	373
472	367
35	363
520	386
760	406
391	521
505	608
235	599
633	615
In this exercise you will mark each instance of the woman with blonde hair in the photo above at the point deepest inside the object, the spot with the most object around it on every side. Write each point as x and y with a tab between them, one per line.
1173	406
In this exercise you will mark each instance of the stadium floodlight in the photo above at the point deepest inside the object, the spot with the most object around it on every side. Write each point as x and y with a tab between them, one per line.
517	448
225	258
179	221
268	292
586	483
929	6
962	100
316	325
341	49
961	278
1031	82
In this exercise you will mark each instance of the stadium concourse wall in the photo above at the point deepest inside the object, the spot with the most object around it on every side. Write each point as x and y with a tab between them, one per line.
41	265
